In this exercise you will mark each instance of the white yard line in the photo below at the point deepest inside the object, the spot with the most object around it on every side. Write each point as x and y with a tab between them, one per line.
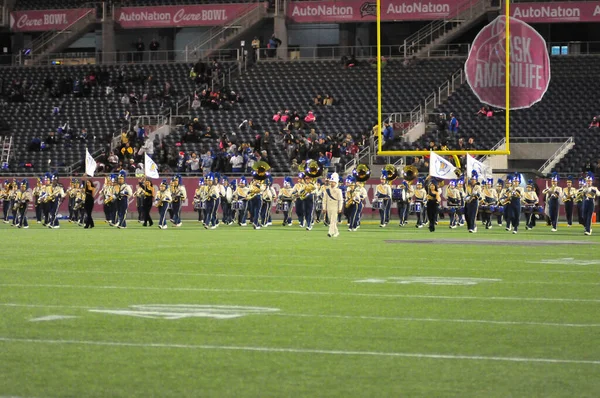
354	317
302	351
204	274
305	293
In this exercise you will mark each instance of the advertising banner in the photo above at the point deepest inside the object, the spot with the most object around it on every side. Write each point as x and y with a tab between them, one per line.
43	20
576	11
180	16
365	11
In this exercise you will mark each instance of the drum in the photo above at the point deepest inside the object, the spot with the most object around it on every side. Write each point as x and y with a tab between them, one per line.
527	209
283	206
237	205
396	194
498	210
377	204
415	207
319	205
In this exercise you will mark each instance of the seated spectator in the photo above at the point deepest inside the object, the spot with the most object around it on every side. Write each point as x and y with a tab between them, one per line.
310	118
209	133
196	102
124	100
595	123
139	170
131	166
323	160
285	117
318	100
482	112
127	152
471	144
277	116
113	161
133	99
328	100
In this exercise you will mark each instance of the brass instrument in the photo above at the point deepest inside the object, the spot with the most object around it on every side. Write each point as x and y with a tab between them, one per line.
392	172
362	173
260	170
410	173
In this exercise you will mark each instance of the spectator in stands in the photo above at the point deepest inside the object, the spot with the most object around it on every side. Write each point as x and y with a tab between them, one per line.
127	152
255	48
207	162
274	42
388	135
588	167
83	135
328	100
180	162
190	135
310	118
193	163
277	116
453	126
148	147
595	123
154	46
125	100
266	141
482	112
285	117
140	47
139	170
237	162
323	160
317	100
113	161
34	145
209	133
471	144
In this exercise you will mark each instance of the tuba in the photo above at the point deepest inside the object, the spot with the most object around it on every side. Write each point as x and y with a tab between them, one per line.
313	169
260	170
410	173
392	172
362	173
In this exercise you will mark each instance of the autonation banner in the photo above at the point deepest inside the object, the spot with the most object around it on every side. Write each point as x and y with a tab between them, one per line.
180	16
577	11
43	20
360	10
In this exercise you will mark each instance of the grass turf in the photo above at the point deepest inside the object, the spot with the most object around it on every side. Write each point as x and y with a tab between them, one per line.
332	336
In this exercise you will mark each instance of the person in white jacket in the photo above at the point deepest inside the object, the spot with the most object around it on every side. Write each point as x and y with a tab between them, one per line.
333	203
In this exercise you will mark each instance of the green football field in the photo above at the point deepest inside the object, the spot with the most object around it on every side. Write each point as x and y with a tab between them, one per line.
283	312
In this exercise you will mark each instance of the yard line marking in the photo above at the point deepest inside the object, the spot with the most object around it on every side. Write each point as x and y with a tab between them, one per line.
51	318
302	351
362	317
354	279
306	293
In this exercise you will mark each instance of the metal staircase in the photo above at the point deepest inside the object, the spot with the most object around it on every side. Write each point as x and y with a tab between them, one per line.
461	17
55	41
220	36
6	149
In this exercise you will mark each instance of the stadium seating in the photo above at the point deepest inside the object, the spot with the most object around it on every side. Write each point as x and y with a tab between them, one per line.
566	110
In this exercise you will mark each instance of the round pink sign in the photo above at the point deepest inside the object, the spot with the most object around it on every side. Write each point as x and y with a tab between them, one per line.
529	65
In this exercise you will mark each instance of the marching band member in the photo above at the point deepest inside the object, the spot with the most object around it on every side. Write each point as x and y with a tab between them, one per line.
579	201
308	197
298	195
139	199
568	198
226	198
383	193
88	203
178	196
403	195
514	195
22	199
72	195
36	193
241	199
352	203
343	188
199	199
78	210
473	191
14	189
460	185
433	201
499	193
362	196
148	194
108	197
54	199
254	198
45	199
162	201
333	202
285	199
530	200
489	203
5	196
590	193
269	195
454	198
420	195
319	200
124	191
212	195
214	220
553	194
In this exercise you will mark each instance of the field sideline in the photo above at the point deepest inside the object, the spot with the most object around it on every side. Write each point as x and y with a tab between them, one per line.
234	312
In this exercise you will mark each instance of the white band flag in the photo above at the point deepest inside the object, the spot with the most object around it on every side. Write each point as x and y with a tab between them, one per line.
150	168
483	171
440	167
90	164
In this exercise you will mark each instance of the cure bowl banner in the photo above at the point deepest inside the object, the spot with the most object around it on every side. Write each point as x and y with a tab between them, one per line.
191	183
43	20
180	16
361	10
577	11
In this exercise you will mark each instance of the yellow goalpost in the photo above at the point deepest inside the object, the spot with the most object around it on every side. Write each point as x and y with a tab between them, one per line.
506	151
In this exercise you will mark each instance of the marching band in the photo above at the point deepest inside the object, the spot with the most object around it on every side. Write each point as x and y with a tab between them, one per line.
314	199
